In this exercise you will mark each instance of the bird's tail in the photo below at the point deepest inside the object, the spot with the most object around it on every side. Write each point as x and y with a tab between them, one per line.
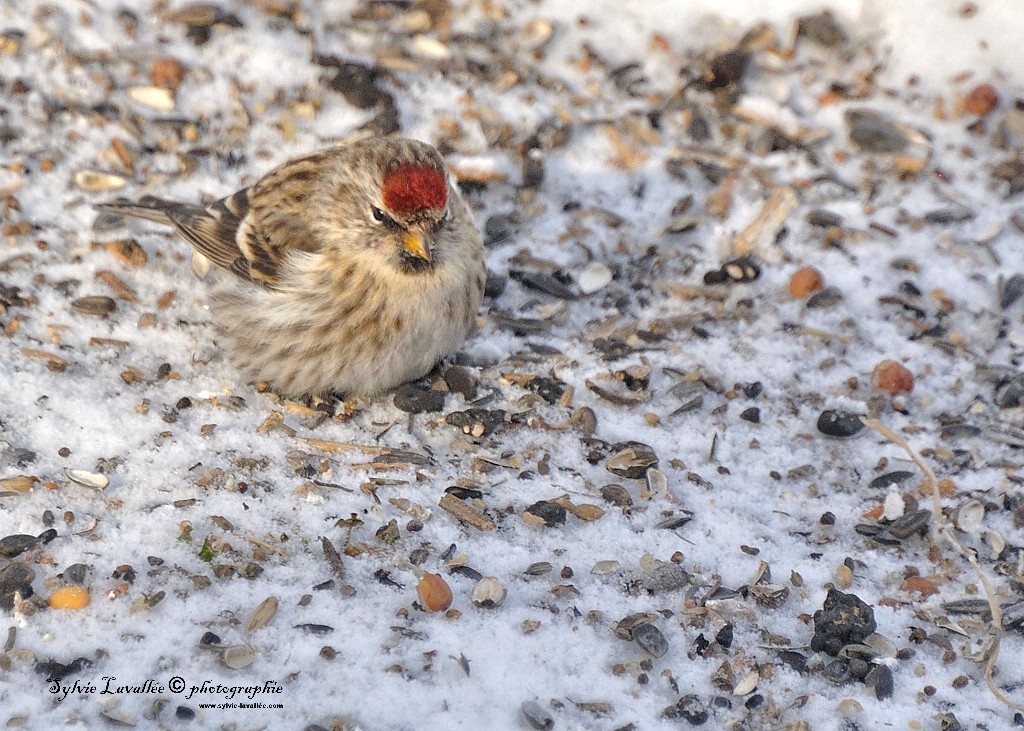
148	207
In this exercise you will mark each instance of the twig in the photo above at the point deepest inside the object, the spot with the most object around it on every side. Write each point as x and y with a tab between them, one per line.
264	545
993	688
946	531
824	334
326	445
465	513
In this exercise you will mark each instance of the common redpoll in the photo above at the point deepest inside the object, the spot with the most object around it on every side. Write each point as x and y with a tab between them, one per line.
350	271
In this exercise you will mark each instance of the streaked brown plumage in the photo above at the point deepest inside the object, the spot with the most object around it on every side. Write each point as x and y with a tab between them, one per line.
350	271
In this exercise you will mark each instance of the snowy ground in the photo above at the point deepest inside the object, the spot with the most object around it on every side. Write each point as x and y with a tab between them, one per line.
220	496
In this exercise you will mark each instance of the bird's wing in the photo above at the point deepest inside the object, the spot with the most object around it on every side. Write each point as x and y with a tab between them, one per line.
280	218
260	226
249	233
211	231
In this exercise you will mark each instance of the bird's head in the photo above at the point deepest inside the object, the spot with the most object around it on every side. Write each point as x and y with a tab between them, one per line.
413	206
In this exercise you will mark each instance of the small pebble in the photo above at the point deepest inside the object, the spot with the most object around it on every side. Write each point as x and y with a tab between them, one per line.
890	479
823	219
843	619
1010	395
15	580
434	593
550	284
69	597
821	28
75	573
594	277
915	523
499	228
690	709
839	423
616	495
1011	290
462	381
825	299
536	716
544	512
873	132
415	398
167	73
982	99
880	680
752	414
14	545
805	281
892	377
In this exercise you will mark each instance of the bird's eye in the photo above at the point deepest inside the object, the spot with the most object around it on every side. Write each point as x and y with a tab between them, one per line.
383	218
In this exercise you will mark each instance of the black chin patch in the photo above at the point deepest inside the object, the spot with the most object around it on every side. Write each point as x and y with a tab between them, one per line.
410	264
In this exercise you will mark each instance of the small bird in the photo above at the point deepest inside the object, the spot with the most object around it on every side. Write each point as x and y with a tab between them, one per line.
349	271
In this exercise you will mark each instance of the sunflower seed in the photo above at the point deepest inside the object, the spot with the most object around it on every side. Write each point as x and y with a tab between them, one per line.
95	305
93	181
536	716
488	593
651	639
154	97
262	614
237	657
93	480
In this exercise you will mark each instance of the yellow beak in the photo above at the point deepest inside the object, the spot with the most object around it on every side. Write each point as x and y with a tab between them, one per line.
416	245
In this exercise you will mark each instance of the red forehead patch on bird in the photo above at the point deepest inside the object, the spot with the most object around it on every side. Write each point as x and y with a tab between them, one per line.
409	188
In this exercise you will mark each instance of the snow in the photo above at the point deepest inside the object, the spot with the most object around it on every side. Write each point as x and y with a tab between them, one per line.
173	487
